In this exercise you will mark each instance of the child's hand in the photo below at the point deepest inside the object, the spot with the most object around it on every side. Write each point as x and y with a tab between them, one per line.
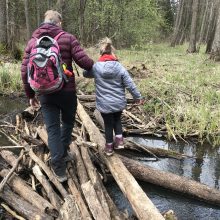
140	101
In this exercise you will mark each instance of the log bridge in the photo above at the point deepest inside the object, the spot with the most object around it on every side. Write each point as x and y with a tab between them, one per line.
38	194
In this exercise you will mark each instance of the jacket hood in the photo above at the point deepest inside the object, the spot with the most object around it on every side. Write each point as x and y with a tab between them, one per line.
47	29
109	69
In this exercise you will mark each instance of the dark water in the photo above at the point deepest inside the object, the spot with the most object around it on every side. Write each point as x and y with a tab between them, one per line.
9	105
205	168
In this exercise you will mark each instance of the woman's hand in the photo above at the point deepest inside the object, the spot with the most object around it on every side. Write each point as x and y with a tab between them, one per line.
34	103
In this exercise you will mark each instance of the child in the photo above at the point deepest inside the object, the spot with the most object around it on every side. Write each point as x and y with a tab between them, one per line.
111	79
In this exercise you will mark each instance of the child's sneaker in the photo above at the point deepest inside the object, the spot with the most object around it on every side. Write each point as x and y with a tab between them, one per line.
119	143
109	149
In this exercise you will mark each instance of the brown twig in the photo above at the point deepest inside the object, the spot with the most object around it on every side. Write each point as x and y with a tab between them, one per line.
4	181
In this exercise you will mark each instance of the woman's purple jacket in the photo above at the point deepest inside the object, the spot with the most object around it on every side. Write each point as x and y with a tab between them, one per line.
70	49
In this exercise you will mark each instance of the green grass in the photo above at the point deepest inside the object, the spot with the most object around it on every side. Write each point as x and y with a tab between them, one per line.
182	90
10	78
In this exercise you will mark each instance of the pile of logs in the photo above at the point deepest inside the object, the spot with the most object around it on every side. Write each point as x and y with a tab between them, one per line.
29	190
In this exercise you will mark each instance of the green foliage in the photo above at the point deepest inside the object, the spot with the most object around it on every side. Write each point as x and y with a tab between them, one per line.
127	22
3	49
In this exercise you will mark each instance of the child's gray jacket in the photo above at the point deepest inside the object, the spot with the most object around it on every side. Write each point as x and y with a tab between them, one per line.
111	79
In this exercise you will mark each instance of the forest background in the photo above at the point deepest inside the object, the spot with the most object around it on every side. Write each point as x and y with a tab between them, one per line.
172	48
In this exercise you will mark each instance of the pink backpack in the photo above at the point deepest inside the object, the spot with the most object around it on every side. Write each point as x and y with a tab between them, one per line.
45	72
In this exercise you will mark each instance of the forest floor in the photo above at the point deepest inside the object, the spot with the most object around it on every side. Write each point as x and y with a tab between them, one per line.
182	90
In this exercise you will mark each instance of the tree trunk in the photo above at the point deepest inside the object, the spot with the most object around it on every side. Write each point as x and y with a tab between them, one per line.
193	31
27	18
212	26
38	12
141	204
82	6
202	29
215	52
3	29
178	21
172	181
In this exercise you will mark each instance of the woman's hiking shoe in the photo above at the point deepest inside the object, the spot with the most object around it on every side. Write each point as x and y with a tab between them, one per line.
119	143
109	149
60	178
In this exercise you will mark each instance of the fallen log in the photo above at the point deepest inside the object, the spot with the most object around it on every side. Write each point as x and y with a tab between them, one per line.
91	98
93	202
11	212
95	180
26	192
23	207
78	198
81	171
8	175
69	209
159	152
51	194
141	204
173	182
49	173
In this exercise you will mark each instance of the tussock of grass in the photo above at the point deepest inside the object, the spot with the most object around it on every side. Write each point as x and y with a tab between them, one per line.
183	90
10	78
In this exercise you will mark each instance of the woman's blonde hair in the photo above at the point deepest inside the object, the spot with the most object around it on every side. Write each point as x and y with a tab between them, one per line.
105	46
52	17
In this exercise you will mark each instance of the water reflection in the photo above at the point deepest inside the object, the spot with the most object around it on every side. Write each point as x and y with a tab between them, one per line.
203	167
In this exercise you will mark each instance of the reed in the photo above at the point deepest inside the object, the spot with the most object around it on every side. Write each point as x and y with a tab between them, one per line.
182	90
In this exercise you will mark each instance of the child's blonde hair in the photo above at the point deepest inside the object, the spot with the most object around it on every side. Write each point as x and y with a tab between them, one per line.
105	46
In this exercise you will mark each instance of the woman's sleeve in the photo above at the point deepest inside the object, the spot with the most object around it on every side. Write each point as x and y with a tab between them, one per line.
79	55
88	73
29	92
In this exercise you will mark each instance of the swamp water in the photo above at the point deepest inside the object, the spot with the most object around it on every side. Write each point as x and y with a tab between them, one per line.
205	168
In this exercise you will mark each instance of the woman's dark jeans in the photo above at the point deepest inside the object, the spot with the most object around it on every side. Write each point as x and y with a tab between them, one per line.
112	123
59	111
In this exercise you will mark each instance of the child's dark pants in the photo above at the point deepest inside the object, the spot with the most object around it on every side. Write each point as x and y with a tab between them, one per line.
59	108
112	123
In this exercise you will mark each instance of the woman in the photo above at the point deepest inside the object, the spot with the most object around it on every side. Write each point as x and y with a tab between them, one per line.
62	104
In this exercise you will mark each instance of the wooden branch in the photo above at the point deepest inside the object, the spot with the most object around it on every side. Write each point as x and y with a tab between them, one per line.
4	181
129	114
11	212
10	147
172	181
81	170
78	198
94	179
9	157
159	151
51	194
93	202
25	191
23	207
144	149
69	209
140	203
49	173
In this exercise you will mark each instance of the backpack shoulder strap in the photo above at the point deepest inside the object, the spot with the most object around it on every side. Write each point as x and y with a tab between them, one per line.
58	35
